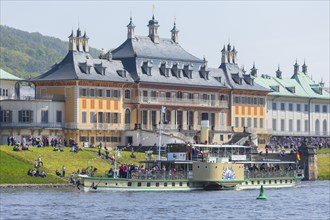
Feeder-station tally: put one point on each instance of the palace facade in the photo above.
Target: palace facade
(147, 86)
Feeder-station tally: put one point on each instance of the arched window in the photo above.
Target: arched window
(317, 126)
(325, 125)
(127, 116)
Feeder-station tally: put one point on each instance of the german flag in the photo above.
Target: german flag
(298, 155)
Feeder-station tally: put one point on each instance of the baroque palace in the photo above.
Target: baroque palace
(151, 84)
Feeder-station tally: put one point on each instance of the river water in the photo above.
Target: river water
(309, 200)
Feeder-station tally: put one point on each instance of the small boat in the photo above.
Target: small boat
(179, 167)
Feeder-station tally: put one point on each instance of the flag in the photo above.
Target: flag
(298, 155)
(163, 109)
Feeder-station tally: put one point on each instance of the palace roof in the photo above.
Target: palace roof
(300, 85)
(7, 76)
(79, 65)
(166, 62)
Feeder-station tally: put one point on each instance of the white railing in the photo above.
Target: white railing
(181, 101)
(96, 126)
(31, 125)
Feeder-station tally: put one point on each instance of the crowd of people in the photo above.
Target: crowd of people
(277, 143)
(36, 171)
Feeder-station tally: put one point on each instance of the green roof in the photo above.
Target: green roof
(7, 76)
(300, 85)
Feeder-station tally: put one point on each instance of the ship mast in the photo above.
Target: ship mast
(160, 130)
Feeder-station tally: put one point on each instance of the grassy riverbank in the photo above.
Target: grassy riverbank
(323, 164)
(15, 165)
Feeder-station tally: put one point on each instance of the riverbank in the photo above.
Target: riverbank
(14, 165)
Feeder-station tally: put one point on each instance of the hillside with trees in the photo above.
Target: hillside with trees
(27, 54)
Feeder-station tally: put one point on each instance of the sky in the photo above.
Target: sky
(267, 33)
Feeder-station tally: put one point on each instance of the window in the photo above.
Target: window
(324, 109)
(108, 93)
(249, 122)
(6, 116)
(100, 92)
(306, 125)
(249, 100)
(261, 101)
(83, 117)
(290, 107)
(274, 106)
(306, 108)
(153, 94)
(255, 122)
(282, 125)
(298, 108)
(44, 116)
(243, 100)
(25, 116)
(290, 125)
(116, 93)
(282, 106)
(317, 108)
(115, 118)
(261, 123)
(58, 116)
(255, 101)
(107, 117)
(221, 137)
(236, 122)
(92, 117)
(100, 117)
(237, 99)
(298, 125)
(274, 121)
(84, 92)
(127, 116)
(243, 122)
(91, 92)
(127, 94)
(204, 97)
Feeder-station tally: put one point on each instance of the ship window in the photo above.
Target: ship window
(258, 182)
(106, 183)
(173, 184)
(129, 184)
(275, 181)
(252, 182)
(198, 167)
(116, 184)
(180, 184)
(165, 184)
(157, 184)
(188, 184)
(270, 182)
(216, 167)
(205, 167)
(290, 181)
(286, 181)
(246, 183)
(139, 184)
(148, 184)
(264, 181)
(280, 181)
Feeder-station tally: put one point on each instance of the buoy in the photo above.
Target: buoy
(262, 195)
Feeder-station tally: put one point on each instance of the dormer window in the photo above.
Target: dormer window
(218, 78)
(84, 67)
(291, 89)
(237, 79)
(275, 88)
(164, 70)
(204, 73)
(187, 72)
(248, 79)
(146, 68)
(176, 71)
(99, 69)
(122, 73)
